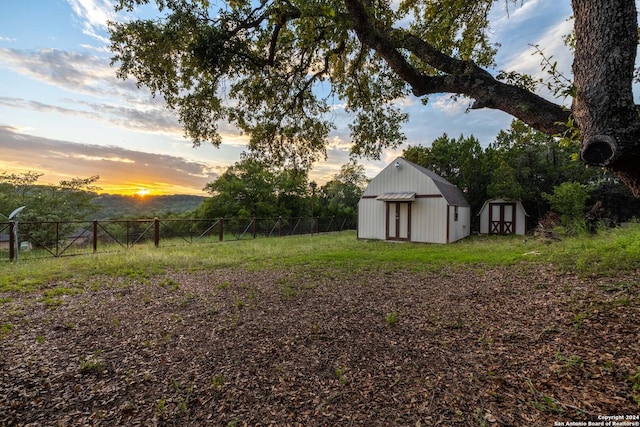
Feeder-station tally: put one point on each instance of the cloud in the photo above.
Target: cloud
(80, 73)
(120, 103)
(146, 119)
(41, 107)
(550, 48)
(96, 94)
(117, 167)
(93, 15)
(451, 105)
(536, 22)
(94, 158)
(551, 43)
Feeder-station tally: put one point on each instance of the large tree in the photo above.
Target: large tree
(273, 67)
(340, 195)
(254, 188)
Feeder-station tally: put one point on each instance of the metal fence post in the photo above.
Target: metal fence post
(12, 240)
(156, 232)
(125, 233)
(95, 236)
(57, 238)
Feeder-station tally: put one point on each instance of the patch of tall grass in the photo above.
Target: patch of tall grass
(604, 253)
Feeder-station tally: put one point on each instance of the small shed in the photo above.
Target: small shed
(501, 216)
(81, 237)
(407, 202)
(4, 241)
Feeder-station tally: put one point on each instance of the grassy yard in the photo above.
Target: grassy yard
(602, 254)
(325, 330)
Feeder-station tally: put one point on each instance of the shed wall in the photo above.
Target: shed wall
(484, 219)
(429, 219)
(462, 227)
(371, 219)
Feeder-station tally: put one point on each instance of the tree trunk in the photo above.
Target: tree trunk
(604, 110)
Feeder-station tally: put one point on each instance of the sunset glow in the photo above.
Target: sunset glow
(82, 121)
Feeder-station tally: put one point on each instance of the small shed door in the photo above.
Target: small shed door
(398, 221)
(502, 218)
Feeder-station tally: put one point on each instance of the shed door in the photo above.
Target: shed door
(502, 218)
(398, 221)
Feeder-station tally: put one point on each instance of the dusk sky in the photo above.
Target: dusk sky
(64, 113)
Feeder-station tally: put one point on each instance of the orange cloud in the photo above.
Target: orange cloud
(121, 171)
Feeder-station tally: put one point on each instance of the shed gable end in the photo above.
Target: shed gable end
(408, 202)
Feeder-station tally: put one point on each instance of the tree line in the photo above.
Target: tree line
(249, 188)
(254, 187)
(527, 165)
(520, 164)
(69, 200)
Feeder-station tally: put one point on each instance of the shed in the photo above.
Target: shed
(407, 202)
(502, 216)
(80, 237)
(4, 241)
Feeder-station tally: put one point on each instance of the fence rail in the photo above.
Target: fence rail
(31, 239)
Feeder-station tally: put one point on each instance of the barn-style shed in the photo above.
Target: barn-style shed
(407, 202)
(501, 216)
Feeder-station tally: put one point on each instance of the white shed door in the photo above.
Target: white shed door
(398, 221)
(502, 218)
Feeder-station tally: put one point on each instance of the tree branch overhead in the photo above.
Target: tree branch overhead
(371, 55)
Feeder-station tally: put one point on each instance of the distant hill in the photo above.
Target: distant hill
(113, 206)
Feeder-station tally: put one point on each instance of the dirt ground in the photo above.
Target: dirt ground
(517, 346)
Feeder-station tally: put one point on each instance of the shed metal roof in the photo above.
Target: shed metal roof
(405, 196)
(452, 194)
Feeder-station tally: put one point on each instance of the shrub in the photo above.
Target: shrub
(569, 200)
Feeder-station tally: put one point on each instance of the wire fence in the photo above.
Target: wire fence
(30, 239)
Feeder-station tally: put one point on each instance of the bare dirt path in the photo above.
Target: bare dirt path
(511, 346)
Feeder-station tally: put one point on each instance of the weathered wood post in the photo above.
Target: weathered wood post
(254, 227)
(221, 230)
